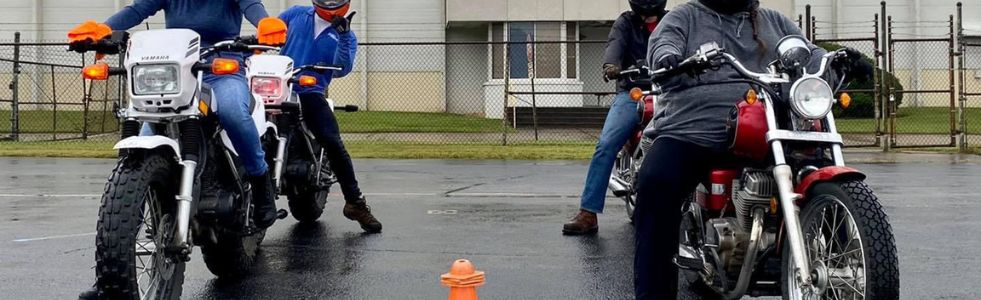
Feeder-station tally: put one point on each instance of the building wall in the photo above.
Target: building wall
(466, 69)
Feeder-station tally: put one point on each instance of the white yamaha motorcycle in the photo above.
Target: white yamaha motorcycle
(180, 188)
(301, 170)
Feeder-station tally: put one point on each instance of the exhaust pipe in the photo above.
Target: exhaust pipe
(619, 187)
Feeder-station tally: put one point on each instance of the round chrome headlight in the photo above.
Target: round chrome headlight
(812, 98)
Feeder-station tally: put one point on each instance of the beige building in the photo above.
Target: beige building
(468, 77)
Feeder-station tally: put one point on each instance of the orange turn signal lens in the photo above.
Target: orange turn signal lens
(224, 66)
(636, 94)
(99, 71)
(307, 80)
(845, 100)
(752, 97)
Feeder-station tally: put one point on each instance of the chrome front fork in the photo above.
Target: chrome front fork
(279, 161)
(788, 198)
(184, 199)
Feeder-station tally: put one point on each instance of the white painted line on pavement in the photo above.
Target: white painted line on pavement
(52, 237)
(49, 195)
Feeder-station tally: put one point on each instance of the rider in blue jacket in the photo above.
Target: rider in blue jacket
(321, 34)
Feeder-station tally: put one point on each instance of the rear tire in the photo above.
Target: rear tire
(234, 255)
(139, 195)
(874, 265)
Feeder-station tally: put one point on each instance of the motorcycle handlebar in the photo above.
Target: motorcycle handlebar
(114, 44)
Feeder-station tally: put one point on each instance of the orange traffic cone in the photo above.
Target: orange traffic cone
(463, 280)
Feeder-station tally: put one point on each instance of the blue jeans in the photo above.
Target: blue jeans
(620, 124)
(233, 95)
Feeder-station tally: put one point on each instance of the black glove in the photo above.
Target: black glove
(854, 66)
(669, 62)
(341, 24)
(611, 72)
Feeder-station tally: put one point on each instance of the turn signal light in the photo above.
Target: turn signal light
(752, 97)
(99, 71)
(307, 80)
(636, 94)
(203, 108)
(845, 100)
(224, 66)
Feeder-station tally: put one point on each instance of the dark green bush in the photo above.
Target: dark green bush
(863, 104)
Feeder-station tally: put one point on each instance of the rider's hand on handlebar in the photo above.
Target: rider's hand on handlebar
(854, 65)
(271, 31)
(86, 34)
(610, 72)
(669, 62)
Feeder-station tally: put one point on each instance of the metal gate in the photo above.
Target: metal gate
(922, 103)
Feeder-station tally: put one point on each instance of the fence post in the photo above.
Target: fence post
(15, 89)
(963, 80)
(953, 87)
(507, 94)
(87, 91)
(878, 82)
(890, 93)
(809, 24)
(534, 102)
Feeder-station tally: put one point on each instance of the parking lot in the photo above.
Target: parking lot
(503, 215)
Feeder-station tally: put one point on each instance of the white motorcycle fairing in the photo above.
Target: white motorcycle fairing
(149, 142)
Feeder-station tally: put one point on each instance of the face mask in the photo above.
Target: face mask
(729, 6)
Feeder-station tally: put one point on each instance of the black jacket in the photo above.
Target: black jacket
(627, 43)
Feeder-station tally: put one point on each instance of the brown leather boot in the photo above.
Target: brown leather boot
(582, 223)
(361, 212)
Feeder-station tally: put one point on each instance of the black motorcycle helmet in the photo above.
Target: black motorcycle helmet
(648, 8)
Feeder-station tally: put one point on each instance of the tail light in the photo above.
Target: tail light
(267, 87)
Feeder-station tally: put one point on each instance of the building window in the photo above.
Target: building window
(548, 58)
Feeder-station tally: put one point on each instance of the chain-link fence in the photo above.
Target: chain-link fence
(536, 82)
(45, 98)
(861, 123)
(923, 107)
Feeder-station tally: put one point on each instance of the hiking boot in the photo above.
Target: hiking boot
(264, 199)
(361, 212)
(582, 223)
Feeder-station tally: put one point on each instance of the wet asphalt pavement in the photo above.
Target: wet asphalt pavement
(505, 216)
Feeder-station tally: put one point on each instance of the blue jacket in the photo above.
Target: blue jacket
(214, 20)
(329, 48)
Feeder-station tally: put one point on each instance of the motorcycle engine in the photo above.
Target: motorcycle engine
(756, 188)
(730, 239)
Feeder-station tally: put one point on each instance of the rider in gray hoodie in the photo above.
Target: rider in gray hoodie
(690, 125)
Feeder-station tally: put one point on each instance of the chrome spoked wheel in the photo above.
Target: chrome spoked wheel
(153, 267)
(836, 252)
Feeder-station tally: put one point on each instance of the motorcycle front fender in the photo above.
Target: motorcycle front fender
(149, 143)
(826, 174)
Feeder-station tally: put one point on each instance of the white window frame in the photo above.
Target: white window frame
(564, 48)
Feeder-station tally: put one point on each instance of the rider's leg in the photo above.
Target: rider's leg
(620, 123)
(321, 121)
(233, 97)
(669, 174)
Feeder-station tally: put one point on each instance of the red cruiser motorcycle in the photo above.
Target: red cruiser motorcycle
(792, 220)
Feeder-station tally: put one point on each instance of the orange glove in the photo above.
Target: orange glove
(271, 31)
(90, 30)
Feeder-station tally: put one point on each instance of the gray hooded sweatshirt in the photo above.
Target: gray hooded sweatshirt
(696, 109)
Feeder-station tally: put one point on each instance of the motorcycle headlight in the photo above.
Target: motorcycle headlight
(156, 80)
(269, 87)
(811, 98)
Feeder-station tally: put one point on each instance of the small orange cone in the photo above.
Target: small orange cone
(463, 280)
